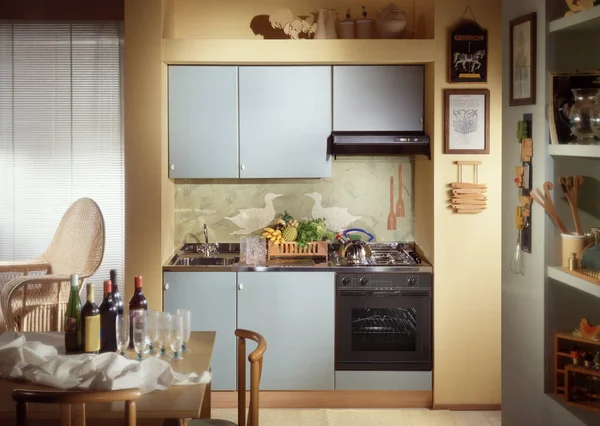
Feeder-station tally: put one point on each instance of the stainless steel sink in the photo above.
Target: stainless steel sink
(183, 260)
(222, 248)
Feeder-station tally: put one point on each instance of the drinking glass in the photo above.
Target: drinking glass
(122, 331)
(140, 335)
(164, 330)
(176, 336)
(152, 330)
(186, 316)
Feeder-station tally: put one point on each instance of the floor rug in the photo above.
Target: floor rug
(356, 417)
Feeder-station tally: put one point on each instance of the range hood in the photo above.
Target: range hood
(402, 143)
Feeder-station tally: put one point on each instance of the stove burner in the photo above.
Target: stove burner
(382, 254)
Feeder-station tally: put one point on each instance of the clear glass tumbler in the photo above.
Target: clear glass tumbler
(186, 316)
(122, 332)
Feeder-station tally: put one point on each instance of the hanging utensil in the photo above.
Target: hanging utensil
(400, 202)
(570, 186)
(391, 225)
(548, 205)
(516, 264)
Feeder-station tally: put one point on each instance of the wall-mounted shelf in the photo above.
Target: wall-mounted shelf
(557, 273)
(208, 51)
(586, 21)
(585, 151)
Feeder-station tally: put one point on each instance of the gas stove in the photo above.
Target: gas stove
(382, 254)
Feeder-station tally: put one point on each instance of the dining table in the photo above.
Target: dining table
(169, 407)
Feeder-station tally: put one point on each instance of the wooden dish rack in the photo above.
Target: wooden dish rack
(569, 378)
(314, 249)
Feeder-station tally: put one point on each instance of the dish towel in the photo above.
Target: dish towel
(41, 364)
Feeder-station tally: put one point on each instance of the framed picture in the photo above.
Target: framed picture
(467, 53)
(466, 121)
(522, 60)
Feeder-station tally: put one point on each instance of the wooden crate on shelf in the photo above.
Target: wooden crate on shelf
(316, 249)
(582, 387)
(564, 344)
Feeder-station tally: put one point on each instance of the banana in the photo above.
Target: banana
(269, 230)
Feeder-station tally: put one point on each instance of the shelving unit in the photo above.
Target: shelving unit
(206, 51)
(557, 273)
(583, 151)
(586, 21)
(563, 345)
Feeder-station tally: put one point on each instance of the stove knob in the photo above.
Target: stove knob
(345, 281)
(412, 281)
(364, 281)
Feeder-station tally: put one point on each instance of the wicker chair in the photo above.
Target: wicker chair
(34, 293)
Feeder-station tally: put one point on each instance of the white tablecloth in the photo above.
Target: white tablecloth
(41, 364)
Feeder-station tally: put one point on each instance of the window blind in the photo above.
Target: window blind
(60, 134)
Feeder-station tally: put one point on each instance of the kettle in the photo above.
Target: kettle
(354, 251)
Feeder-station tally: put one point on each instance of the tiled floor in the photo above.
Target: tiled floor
(478, 418)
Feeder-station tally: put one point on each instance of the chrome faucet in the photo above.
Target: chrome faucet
(205, 234)
(206, 246)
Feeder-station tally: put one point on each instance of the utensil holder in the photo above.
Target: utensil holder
(571, 244)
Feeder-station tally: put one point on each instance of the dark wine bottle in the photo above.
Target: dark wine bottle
(73, 318)
(137, 305)
(90, 323)
(117, 300)
(108, 319)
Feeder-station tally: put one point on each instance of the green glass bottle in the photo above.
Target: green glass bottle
(590, 259)
(73, 318)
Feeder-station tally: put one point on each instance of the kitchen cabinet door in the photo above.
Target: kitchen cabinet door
(285, 120)
(211, 298)
(378, 98)
(294, 311)
(203, 121)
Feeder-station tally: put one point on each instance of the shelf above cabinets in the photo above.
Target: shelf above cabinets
(206, 51)
(557, 273)
(584, 151)
(586, 21)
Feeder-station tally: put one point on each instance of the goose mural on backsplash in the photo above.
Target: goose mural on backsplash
(337, 218)
(251, 220)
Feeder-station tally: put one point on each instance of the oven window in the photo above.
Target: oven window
(384, 329)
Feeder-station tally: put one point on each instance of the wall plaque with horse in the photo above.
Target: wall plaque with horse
(468, 53)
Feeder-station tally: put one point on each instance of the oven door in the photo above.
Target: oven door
(383, 330)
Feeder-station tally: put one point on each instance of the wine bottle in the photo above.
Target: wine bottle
(117, 300)
(73, 318)
(90, 323)
(108, 318)
(137, 304)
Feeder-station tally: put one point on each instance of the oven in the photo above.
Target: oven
(383, 321)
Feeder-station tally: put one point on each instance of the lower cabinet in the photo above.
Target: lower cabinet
(294, 311)
(211, 297)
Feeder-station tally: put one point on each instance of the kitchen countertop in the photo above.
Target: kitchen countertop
(423, 268)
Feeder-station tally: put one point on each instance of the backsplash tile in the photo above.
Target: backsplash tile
(358, 196)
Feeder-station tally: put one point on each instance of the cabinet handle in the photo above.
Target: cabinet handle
(243, 167)
(172, 166)
(166, 286)
(240, 286)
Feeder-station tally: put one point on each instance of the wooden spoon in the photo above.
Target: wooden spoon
(391, 225)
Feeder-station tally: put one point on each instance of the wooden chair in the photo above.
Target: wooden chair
(66, 398)
(34, 293)
(256, 362)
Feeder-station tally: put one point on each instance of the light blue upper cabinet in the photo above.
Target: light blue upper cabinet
(285, 120)
(294, 311)
(378, 98)
(203, 122)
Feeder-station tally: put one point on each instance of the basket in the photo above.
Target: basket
(313, 249)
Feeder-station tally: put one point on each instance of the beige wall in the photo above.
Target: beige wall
(466, 248)
(148, 192)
